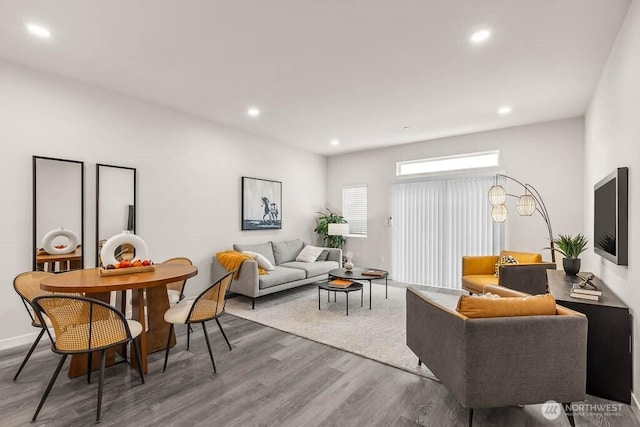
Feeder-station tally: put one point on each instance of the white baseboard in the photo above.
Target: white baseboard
(20, 340)
(635, 407)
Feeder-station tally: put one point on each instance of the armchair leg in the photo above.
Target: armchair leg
(51, 382)
(470, 417)
(223, 334)
(253, 303)
(569, 412)
(26, 358)
(419, 362)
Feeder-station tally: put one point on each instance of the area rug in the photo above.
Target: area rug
(378, 334)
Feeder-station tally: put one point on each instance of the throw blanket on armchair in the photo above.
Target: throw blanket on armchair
(232, 260)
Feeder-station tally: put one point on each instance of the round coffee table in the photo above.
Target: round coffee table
(355, 286)
(357, 274)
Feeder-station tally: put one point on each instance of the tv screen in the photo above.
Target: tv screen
(610, 217)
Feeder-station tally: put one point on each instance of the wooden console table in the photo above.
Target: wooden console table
(609, 358)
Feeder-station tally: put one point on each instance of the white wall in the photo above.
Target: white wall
(548, 156)
(189, 173)
(613, 140)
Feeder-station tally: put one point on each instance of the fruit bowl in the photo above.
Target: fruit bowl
(127, 267)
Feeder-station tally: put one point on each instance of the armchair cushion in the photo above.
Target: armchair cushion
(476, 283)
(523, 257)
(479, 307)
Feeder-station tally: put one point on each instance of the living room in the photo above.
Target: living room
(59, 101)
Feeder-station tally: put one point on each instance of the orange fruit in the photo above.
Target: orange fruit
(137, 263)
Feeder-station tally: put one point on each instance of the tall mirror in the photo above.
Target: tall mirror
(115, 206)
(58, 214)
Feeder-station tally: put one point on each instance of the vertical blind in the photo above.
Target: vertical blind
(436, 223)
(354, 209)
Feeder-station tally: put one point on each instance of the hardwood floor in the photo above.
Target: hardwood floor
(271, 378)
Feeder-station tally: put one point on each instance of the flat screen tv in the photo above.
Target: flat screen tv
(610, 219)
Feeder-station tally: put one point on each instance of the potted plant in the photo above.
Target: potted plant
(322, 229)
(570, 247)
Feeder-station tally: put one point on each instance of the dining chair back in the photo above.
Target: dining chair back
(27, 285)
(175, 290)
(84, 325)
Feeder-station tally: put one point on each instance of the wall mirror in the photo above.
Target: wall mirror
(115, 207)
(58, 214)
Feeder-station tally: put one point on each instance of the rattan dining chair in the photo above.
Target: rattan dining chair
(27, 285)
(84, 325)
(175, 290)
(207, 306)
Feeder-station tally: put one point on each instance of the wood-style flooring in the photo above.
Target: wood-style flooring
(271, 378)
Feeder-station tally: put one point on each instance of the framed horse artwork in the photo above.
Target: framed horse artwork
(261, 204)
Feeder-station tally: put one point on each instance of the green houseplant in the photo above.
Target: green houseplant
(322, 229)
(570, 247)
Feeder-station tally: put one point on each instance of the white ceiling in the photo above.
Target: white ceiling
(355, 70)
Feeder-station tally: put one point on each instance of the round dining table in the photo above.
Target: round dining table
(152, 283)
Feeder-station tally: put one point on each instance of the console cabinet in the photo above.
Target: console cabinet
(609, 358)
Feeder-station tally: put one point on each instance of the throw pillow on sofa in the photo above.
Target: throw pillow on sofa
(309, 254)
(262, 260)
(264, 249)
(536, 305)
(504, 260)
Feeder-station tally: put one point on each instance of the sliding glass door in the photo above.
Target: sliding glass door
(436, 223)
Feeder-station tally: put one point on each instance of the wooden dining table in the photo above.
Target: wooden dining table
(154, 329)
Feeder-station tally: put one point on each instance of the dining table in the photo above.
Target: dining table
(149, 301)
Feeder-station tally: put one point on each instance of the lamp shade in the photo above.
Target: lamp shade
(499, 213)
(497, 195)
(526, 205)
(338, 229)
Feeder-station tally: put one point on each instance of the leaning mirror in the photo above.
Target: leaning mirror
(58, 214)
(115, 207)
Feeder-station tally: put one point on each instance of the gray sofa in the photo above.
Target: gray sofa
(288, 273)
(499, 361)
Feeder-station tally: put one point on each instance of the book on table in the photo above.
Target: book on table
(340, 283)
(579, 290)
(375, 273)
(584, 296)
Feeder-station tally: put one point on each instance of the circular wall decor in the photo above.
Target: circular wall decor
(115, 243)
(50, 248)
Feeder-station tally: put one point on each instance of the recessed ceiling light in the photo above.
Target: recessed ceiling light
(480, 36)
(504, 110)
(253, 112)
(39, 31)
(335, 142)
(406, 127)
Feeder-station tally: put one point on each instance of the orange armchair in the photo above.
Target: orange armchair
(529, 275)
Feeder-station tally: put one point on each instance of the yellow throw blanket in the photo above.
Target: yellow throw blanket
(232, 260)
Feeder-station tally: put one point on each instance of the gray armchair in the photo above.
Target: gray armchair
(500, 361)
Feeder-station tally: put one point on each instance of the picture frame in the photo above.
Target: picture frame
(261, 204)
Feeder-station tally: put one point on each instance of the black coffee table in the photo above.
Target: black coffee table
(356, 274)
(355, 286)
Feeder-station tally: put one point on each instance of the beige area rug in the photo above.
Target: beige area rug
(378, 334)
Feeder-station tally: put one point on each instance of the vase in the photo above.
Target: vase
(348, 265)
(571, 266)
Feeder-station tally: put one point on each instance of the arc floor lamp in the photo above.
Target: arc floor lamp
(528, 204)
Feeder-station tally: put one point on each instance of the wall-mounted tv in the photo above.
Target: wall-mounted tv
(610, 219)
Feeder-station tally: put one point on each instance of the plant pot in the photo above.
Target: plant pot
(571, 266)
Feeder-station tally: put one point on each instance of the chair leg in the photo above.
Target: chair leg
(206, 336)
(89, 366)
(253, 303)
(51, 382)
(470, 417)
(103, 360)
(136, 353)
(188, 336)
(569, 412)
(26, 358)
(419, 362)
(223, 334)
(166, 352)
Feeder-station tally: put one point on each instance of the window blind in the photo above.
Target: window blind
(354, 209)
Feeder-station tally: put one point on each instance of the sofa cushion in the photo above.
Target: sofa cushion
(476, 282)
(309, 254)
(262, 248)
(286, 251)
(312, 268)
(324, 255)
(279, 276)
(480, 307)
